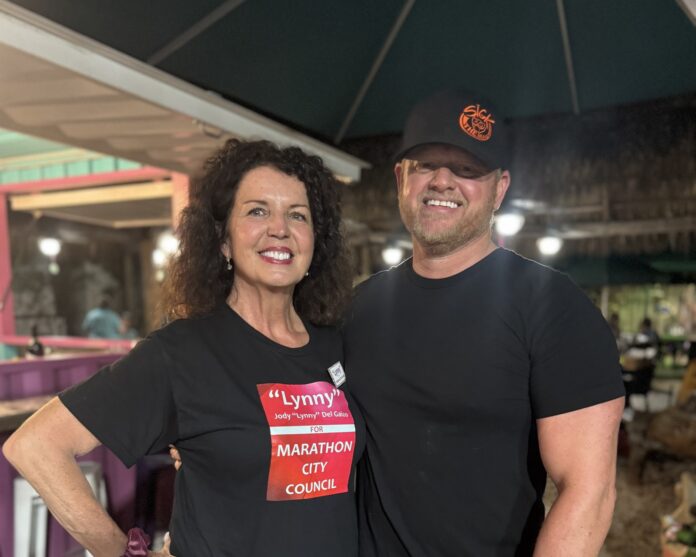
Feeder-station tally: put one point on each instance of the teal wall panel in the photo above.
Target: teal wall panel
(65, 170)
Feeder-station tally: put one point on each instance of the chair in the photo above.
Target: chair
(30, 521)
(639, 382)
(31, 514)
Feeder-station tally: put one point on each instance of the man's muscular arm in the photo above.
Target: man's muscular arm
(579, 452)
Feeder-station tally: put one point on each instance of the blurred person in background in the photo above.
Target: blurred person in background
(647, 337)
(102, 321)
(616, 331)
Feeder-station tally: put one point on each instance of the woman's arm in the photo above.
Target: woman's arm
(43, 450)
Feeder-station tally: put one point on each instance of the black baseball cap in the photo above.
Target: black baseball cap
(460, 118)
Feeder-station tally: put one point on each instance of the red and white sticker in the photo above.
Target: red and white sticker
(312, 440)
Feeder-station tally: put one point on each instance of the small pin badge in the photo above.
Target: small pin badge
(338, 376)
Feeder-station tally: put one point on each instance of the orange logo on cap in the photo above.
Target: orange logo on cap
(477, 122)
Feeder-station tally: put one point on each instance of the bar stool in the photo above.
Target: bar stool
(31, 514)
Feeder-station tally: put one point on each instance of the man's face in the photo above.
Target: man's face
(446, 197)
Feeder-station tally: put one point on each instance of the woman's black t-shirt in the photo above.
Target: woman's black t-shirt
(269, 444)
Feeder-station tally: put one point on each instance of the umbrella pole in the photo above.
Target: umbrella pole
(568, 56)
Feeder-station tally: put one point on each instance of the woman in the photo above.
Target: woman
(246, 381)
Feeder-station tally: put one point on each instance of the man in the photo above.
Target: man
(647, 336)
(478, 371)
(102, 321)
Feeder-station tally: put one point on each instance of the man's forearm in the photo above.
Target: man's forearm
(577, 523)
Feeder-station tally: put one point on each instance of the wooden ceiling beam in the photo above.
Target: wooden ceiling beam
(92, 196)
(142, 223)
(112, 224)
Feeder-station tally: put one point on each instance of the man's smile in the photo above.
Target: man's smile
(444, 203)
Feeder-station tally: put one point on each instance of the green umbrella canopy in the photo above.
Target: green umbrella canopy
(683, 266)
(593, 272)
(349, 68)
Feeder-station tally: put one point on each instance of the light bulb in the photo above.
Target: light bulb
(392, 255)
(549, 245)
(50, 247)
(509, 224)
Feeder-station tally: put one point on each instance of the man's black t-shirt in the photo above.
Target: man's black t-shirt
(269, 444)
(451, 375)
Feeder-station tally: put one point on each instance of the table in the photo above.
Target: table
(14, 412)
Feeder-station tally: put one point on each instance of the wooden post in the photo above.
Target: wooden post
(180, 196)
(365, 260)
(604, 301)
(150, 285)
(7, 321)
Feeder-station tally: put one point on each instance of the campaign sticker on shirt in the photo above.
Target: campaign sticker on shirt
(338, 376)
(312, 440)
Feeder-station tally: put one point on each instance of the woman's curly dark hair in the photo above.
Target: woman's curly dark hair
(198, 278)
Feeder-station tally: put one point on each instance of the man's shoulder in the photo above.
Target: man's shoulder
(93, 313)
(375, 284)
(370, 298)
(521, 270)
(519, 263)
(325, 335)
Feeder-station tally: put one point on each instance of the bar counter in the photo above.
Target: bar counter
(14, 412)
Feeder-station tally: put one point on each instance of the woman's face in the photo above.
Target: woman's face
(270, 236)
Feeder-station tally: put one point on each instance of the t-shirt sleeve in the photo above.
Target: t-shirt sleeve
(128, 405)
(574, 360)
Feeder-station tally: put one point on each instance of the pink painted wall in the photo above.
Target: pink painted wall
(7, 324)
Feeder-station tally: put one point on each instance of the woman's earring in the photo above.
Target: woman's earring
(229, 263)
(306, 274)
